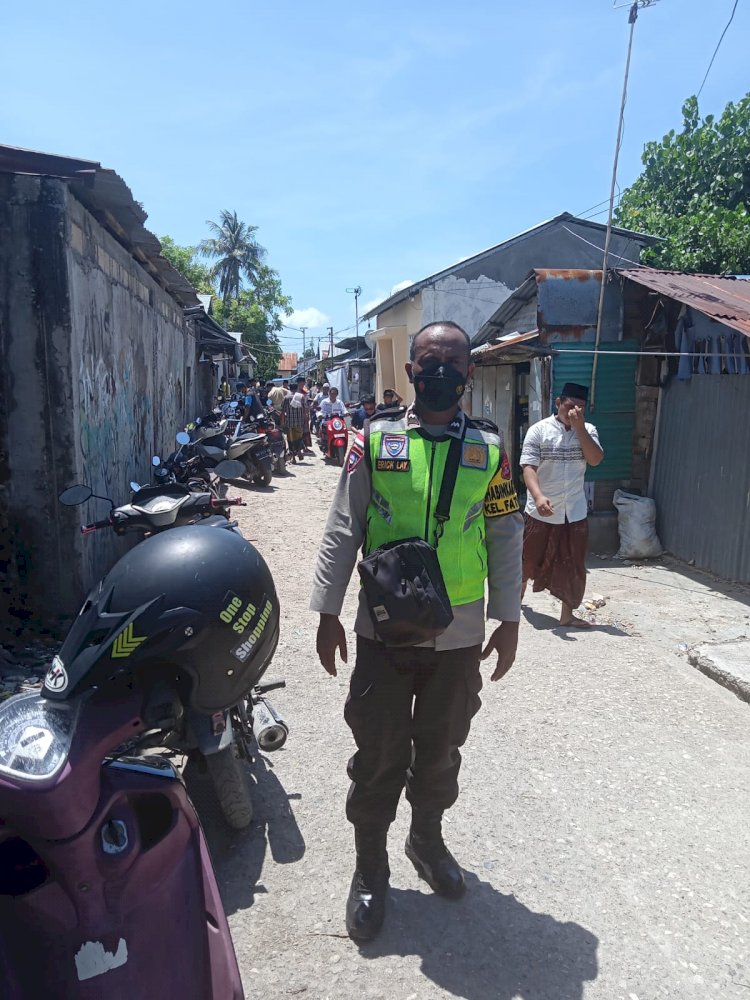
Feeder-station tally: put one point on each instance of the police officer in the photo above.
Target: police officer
(410, 708)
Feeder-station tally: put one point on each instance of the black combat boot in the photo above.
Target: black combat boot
(365, 907)
(426, 850)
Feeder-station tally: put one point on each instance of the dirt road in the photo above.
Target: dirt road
(602, 819)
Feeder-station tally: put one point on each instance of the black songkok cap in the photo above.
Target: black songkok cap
(574, 391)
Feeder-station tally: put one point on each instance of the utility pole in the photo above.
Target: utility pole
(632, 18)
(356, 292)
(303, 331)
(330, 336)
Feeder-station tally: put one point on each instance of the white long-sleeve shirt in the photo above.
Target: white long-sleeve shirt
(329, 409)
(556, 453)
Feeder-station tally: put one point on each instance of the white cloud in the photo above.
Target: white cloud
(311, 318)
(367, 306)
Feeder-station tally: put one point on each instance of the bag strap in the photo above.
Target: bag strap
(448, 484)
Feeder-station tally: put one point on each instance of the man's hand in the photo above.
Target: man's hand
(504, 642)
(575, 416)
(544, 506)
(331, 636)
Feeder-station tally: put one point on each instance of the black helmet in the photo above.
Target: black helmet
(195, 603)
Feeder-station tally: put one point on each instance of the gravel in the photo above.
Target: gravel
(602, 819)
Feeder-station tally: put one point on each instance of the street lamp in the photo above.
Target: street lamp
(356, 292)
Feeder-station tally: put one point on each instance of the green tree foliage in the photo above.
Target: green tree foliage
(184, 260)
(695, 193)
(236, 252)
(258, 314)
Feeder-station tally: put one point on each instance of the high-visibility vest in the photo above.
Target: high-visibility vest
(407, 470)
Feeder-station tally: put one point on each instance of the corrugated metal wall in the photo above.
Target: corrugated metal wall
(492, 399)
(615, 400)
(702, 473)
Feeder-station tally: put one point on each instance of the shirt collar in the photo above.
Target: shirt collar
(560, 424)
(455, 427)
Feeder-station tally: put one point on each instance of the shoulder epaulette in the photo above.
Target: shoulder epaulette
(482, 425)
(396, 413)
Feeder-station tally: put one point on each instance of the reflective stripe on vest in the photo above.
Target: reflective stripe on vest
(407, 470)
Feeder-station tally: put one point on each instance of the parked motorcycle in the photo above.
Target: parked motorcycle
(275, 438)
(212, 443)
(220, 740)
(106, 884)
(334, 438)
(186, 467)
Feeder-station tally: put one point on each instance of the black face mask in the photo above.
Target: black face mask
(439, 387)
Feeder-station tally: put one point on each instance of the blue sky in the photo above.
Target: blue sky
(371, 143)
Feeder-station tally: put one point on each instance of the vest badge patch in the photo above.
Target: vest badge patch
(475, 455)
(392, 464)
(394, 446)
(356, 454)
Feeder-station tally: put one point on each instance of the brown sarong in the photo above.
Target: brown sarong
(554, 557)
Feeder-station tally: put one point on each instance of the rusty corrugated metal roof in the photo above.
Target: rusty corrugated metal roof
(508, 349)
(724, 298)
(288, 361)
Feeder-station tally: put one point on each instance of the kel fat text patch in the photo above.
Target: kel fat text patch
(501, 498)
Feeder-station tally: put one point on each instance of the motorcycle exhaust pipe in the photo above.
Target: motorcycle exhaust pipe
(269, 728)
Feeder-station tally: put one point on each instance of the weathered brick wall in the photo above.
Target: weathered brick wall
(99, 371)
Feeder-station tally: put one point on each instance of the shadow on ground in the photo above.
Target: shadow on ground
(658, 572)
(238, 856)
(547, 622)
(251, 488)
(488, 945)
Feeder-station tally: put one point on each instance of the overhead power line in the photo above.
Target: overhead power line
(718, 44)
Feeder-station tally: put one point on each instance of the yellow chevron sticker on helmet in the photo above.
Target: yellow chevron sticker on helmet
(126, 643)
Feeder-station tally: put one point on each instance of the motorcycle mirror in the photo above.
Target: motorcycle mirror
(229, 469)
(75, 495)
(183, 438)
(135, 487)
(156, 461)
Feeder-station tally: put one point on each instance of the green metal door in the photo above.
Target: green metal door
(614, 417)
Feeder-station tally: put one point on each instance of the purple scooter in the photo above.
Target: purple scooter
(106, 885)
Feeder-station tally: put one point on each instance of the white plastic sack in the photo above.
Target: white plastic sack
(636, 522)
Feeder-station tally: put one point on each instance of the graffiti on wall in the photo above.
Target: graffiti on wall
(131, 366)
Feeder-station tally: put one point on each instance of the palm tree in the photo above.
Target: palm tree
(239, 254)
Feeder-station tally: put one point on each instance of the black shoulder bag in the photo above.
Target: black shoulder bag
(403, 583)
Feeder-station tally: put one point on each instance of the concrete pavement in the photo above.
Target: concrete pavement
(603, 816)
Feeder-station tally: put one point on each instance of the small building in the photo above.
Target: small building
(696, 332)
(355, 357)
(288, 365)
(470, 291)
(668, 395)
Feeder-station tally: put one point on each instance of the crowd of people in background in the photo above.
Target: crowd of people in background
(301, 407)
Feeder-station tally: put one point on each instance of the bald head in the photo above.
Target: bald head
(446, 335)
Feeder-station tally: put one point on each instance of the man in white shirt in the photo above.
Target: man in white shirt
(554, 457)
(332, 407)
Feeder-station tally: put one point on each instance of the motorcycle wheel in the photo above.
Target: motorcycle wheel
(226, 774)
(339, 453)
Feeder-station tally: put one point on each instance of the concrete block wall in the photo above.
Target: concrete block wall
(99, 372)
